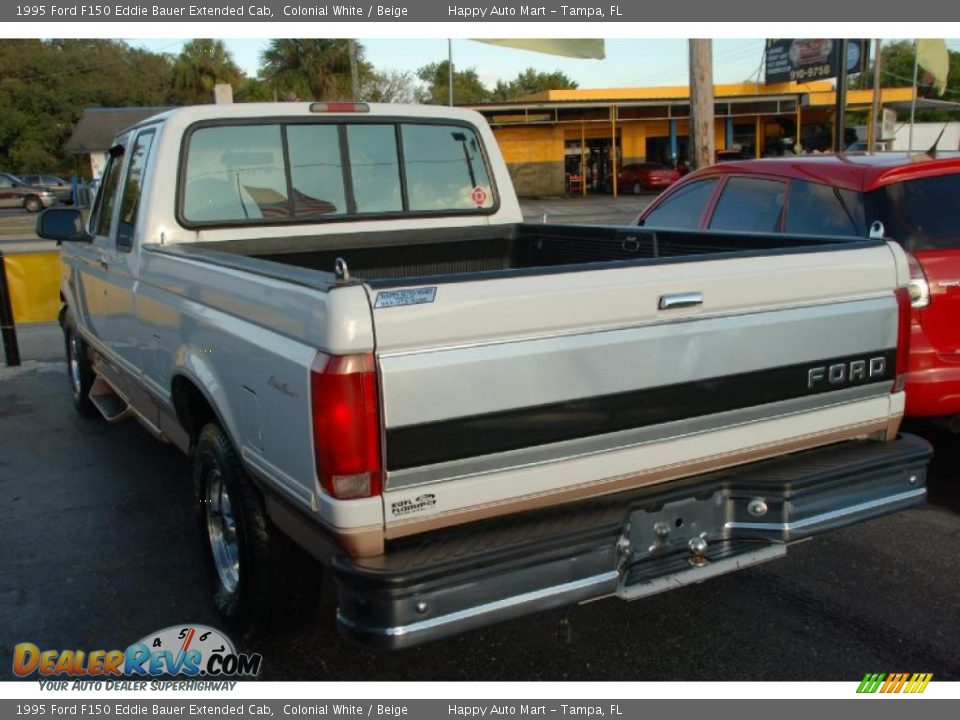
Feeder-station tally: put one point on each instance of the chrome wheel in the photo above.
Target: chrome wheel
(222, 532)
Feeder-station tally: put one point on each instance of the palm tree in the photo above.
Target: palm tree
(202, 64)
(311, 69)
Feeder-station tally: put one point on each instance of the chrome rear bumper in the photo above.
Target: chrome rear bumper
(631, 544)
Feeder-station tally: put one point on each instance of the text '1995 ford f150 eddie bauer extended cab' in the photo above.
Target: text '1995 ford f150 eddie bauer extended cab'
(337, 310)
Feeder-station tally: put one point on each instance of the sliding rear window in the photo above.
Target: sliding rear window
(278, 172)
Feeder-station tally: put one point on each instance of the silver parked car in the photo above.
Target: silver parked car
(63, 189)
(14, 192)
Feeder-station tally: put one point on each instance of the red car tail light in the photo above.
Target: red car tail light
(904, 302)
(918, 286)
(346, 425)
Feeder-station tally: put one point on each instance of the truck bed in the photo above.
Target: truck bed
(393, 257)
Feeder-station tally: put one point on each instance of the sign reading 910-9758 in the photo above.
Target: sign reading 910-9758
(811, 59)
(184, 650)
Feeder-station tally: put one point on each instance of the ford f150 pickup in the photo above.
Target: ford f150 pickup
(338, 312)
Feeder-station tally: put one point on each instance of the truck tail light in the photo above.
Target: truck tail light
(346, 425)
(918, 286)
(904, 303)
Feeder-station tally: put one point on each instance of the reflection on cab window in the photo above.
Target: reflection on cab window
(235, 173)
(445, 168)
(374, 168)
(311, 171)
(316, 170)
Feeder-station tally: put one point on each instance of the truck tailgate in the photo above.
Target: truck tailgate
(517, 391)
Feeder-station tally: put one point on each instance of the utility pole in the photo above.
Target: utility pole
(450, 72)
(839, 126)
(354, 72)
(701, 102)
(913, 96)
(875, 105)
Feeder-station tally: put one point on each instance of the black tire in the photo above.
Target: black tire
(32, 204)
(80, 373)
(637, 188)
(276, 582)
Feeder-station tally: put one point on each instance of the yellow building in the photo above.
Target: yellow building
(561, 141)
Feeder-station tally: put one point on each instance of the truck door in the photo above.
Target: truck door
(96, 311)
(121, 254)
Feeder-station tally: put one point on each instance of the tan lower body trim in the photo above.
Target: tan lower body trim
(641, 479)
(893, 426)
(364, 542)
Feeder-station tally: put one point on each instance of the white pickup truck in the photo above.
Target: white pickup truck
(338, 312)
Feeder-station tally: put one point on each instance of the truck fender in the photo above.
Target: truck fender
(194, 368)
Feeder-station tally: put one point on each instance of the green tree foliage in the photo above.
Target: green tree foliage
(467, 88)
(531, 81)
(390, 86)
(200, 65)
(896, 70)
(312, 69)
(253, 90)
(45, 86)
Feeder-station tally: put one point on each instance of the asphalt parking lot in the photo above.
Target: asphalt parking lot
(100, 548)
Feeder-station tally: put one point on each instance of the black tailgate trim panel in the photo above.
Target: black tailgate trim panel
(472, 436)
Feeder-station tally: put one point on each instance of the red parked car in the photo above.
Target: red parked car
(916, 198)
(637, 177)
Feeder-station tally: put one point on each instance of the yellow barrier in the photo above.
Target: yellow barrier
(33, 280)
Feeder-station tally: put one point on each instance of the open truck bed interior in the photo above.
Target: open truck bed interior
(393, 258)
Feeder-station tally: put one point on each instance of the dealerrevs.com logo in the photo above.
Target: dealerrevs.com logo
(191, 651)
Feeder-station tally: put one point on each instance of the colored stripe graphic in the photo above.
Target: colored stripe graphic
(871, 682)
(894, 683)
(919, 682)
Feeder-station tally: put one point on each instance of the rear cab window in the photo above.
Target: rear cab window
(282, 171)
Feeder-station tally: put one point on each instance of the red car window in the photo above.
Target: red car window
(815, 209)
(749, 205)
(684, 208)
(920, 214)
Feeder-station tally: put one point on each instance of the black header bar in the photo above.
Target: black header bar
(448, 11)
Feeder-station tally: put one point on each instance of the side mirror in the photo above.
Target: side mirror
(62, 225)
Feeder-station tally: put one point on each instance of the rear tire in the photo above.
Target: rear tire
(259, 577)
(637, 188)
(79, 369)
(32, 204)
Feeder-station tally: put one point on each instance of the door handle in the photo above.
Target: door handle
(681, 300)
